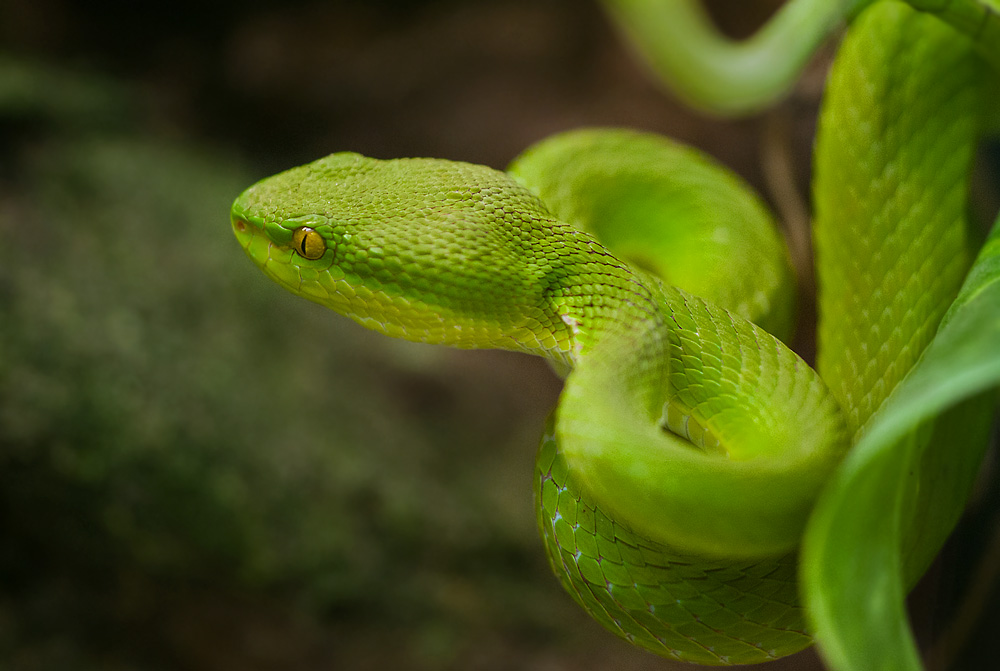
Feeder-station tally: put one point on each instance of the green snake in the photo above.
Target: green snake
(677, 473)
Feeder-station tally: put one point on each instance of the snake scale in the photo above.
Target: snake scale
(678, 471)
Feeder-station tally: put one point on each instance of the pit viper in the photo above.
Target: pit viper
(676, 475)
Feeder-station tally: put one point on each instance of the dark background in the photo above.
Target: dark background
(198, 471)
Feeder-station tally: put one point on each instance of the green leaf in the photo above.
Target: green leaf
(928, 437)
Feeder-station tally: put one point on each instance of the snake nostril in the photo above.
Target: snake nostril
(240, 225)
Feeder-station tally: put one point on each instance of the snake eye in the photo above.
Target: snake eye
(308, 243)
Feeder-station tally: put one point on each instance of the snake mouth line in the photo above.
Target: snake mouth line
(245, 233)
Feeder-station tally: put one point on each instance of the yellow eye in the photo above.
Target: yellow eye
(308, 243)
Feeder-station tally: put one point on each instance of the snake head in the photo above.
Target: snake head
(424, 249)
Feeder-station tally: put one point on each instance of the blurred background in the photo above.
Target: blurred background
(199, 471)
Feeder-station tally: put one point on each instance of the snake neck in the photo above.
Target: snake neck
(591, 295)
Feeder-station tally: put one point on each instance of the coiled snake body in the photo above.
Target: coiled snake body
(677, 473)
